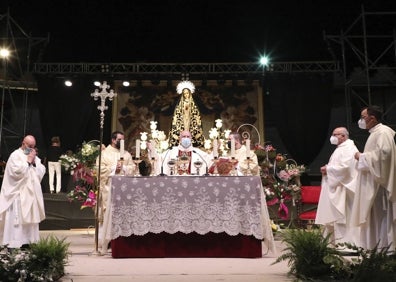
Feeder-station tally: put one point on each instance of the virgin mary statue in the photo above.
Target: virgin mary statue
(186, 116)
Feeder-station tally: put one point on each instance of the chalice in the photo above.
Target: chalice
(171, 164)
(137, 161)
(198, 164)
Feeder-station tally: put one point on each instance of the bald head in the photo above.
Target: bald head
(29, 141)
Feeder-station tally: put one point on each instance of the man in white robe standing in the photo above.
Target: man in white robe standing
(21, 197)
(110, 165)
(374, 209)
(338, 190)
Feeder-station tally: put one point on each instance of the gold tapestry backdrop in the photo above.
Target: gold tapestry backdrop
(136, 105)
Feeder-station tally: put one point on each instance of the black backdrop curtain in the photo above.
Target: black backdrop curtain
(301, 107)
(70, 112)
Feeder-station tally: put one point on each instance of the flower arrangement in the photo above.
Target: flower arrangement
(217, 139)
(280, 177)
(84, 174)
(68, 162)
(157, 138)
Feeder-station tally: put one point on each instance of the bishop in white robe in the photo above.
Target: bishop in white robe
(21, 197)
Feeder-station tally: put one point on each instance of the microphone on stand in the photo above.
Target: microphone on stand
(206, 164)
(162, 164)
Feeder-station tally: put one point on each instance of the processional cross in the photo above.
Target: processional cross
(103, 95)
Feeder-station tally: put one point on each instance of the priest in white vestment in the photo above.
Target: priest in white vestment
(185, 147)
(110, 165)
(21, 197)
(338, 190)
(374, 208)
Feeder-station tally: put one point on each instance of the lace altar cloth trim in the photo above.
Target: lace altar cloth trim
(188, 204)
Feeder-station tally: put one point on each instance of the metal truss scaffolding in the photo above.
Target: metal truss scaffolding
(169, 70)
(367, 52)
(15, 78)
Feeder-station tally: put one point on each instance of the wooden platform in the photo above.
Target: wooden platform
(61, 214)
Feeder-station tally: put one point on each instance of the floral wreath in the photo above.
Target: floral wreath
(185, 84)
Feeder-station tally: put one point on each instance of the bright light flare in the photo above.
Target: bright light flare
(4, 53)
(264, 60)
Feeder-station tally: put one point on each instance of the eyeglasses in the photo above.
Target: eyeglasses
(335, 134)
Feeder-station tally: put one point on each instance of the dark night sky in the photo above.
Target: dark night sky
(186, 31)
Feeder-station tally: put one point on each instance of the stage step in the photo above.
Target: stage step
(61, 214)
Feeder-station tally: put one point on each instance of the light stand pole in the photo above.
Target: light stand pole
(4, 53)
(103, 95)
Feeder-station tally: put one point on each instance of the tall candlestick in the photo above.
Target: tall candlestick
(137, 155)
(153, 147)
(215, 148)
(247, 148)
(232, 148)
(122, 150)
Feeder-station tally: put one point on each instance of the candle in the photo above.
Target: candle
(247, 148)
(232, 148)
(137, 155)
(122, 144)
(215, 149)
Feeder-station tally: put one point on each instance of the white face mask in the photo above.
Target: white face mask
(186, 142)
(333, 140)
(362, 123)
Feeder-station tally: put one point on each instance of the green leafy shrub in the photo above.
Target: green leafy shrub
(311, 256)
(378, 264)
(42, 261)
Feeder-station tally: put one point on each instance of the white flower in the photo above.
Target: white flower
(164, 145)
(143, 136)
(207, 144)
(161, 136)
(219, 123)
(153, 125)
(213, 133)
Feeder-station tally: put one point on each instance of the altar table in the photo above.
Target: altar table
(189, 216)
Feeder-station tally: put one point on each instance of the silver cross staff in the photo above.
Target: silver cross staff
(103, 96)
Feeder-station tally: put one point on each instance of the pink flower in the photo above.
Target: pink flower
(283, 211)
(90, 201)
(284, 175)
(272, 202)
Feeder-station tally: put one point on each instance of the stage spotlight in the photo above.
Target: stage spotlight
(125, 83)
(4, 53)
(264, 61)
(68, 83)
